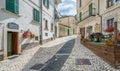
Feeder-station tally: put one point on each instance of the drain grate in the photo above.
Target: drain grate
(13, 57)
(83, 62)
(37, 66)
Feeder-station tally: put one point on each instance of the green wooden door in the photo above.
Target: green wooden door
(9, 44)
(90, 9)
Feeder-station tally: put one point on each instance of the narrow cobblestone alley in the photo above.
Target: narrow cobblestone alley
(81, 52)
(61, 57)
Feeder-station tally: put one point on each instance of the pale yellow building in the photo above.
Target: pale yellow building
(110, 11)
(66, 26)
(88, 16)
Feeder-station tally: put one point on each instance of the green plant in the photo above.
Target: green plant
(109, 42)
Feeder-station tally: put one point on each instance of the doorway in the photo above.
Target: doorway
(68, 32)
(12, 43)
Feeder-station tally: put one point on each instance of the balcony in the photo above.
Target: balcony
(88, 14)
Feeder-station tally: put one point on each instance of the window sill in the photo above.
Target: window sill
(6, 11)
(46, 29)
(36, 22)
(51, 31)
(46, 7)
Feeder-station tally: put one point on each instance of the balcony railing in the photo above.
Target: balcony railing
(88, 13)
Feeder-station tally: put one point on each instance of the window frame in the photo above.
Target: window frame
(36, 15)
(110, 22)
(12, 6)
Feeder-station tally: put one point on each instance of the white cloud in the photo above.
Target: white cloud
(67, 7)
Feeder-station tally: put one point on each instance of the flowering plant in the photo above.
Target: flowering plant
(25, 34)
(28, 34)
(109, 42)
(118, 36)
(32, 35)
(109, 29)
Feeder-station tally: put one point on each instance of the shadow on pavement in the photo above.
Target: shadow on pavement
(50, 62)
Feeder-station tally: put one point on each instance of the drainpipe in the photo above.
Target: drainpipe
(99, 15)
(41, 22)
(100, 22)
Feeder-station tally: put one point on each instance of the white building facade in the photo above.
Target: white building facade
(19, 25)
(47, 20)
(25, 23)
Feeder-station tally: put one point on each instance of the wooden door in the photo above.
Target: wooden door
(15, 43)
(9, 44)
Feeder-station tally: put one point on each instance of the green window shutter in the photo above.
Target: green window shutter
(12, 6)
(80, 16)
(90, 9)
(44, 2)
(47, 3)
(36, 15)
(16, 6)
(7, 4)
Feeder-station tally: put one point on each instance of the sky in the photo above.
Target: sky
(67, 7)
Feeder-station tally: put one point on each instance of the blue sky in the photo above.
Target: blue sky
(67, 7)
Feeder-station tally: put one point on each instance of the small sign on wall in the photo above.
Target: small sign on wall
(13, 25)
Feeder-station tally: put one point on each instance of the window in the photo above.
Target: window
(46, 34)
(46, 25)
(52, 27)
(110, 22)
(12, 6)
(36, 38)
(90, 9)
(80, 16)
(109, 3)
(46, 3)
(36, 16)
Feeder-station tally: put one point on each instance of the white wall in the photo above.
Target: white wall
(48, 14)
(24, 20)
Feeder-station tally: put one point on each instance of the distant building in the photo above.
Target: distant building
(66, 26)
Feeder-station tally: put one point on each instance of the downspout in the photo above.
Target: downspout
(100, 16)
(41, 22)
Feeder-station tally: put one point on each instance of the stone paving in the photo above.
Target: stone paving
(34, 55)
(45, 55)
(79, 51)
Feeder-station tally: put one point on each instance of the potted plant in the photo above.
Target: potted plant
(109, 29)
(32, 35)
(109, 42)
(25, 34)
(118, 38)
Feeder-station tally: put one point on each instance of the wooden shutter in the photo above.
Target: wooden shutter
(48, 3)
(16, 6)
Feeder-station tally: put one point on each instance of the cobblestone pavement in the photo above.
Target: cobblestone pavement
(81, 52)
(60, 57)
(30, 57)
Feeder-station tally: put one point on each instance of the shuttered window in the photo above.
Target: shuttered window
(80, 16)
(36, 16)
(46, 3)
(109, 3)
(12, 6)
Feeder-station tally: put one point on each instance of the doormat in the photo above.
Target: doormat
(83, 62)
(12, 57)
(37, 67)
